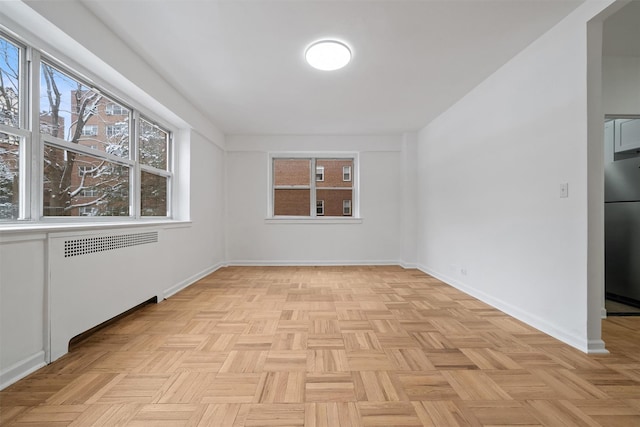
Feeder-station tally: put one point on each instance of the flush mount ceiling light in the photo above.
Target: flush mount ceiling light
(328, 55)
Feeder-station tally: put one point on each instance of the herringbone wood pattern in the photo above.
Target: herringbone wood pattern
(329, 346)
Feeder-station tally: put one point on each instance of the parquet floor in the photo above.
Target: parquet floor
(329, 346)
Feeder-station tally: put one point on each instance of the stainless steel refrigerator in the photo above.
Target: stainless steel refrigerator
(622, 210)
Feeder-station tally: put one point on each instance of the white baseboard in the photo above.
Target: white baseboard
(530, 319)
(307, 263)
(191, 280)
(21, 369)
(596, 347)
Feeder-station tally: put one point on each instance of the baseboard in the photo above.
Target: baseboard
(596, 347)
(530, 319)
(191, 280)
(19, 370)
(307, 263)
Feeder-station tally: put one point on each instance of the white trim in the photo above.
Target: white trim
(190, 281)
(21, 369)
(566, 336)
(309, 263)
(90, 225)
(305, 220)
(596, 347)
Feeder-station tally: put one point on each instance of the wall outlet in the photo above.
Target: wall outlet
(564, 190)
(463, 271)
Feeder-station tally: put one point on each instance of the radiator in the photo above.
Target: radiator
(95, 277)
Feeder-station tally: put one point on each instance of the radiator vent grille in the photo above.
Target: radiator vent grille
(91, 245)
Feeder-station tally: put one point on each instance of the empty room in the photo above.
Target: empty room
(319, 213)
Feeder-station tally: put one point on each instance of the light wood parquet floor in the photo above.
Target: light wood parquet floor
(329, 346)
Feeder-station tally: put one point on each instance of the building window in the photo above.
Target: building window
(90, 130)
(346, 173)
(346, 207)
(118, 129)
(112, 109)
(87, 211)
(82, 170)
(296, 192)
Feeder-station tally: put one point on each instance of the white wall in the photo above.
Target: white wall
(252, 240)
(491, 220)
(621, 85)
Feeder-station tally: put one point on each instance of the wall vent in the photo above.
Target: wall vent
(91, 245)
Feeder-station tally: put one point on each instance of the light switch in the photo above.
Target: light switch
(564, 190)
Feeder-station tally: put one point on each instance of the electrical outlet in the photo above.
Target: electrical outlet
(463, 271)
(564, 190)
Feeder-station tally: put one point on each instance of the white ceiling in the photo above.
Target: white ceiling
(241, 62)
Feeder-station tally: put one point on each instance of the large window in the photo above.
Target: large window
(296, 192)
(89, 153)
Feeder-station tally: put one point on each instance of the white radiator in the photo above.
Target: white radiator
(95, 277)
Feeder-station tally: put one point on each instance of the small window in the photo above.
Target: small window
(90, 130)
(87, 211)
(320, 207)
(319, 173)
(346, 173)
(112, 109)
(346, 207)
(89, 192)
(117, 129)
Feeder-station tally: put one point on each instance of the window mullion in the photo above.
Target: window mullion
(136, 173)
(312, 186)
(35, 144)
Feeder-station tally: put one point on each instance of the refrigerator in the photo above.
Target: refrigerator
(622, 210)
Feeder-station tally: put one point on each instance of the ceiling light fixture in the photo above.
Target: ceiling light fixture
(328, 55)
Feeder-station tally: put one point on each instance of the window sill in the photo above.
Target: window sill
(333, 220)
(53, 226)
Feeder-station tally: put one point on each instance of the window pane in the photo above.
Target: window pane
(334, 172)
(334, 200)
(292, 202)
(68, 174)
(153, 195)
(76, 113)
(291, 172)
(9, 163)
(153, 145)
(9, 83)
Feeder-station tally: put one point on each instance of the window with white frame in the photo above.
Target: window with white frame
(89, 130)
(297, 192)
(113, 109)
(346, 207)
(126, 171)
(346, 173)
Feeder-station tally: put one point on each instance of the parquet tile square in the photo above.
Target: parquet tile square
(388, 414)
(331, 414)
(427, 385)
(244, 361)
(329, 387)
(327, 361)
(284, 415)
(232, 388)
(329, 346)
